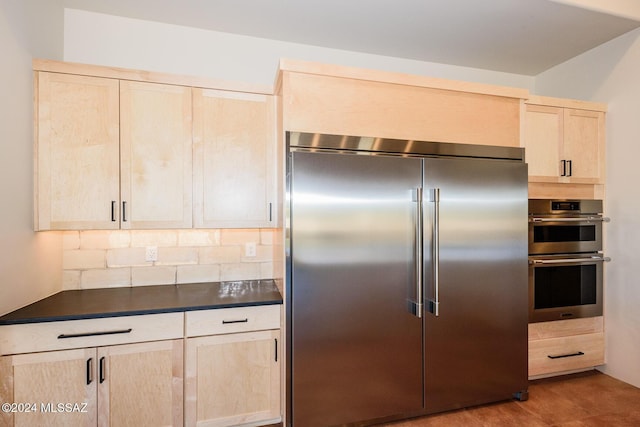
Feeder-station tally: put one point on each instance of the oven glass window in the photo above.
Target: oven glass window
(565, 286)
(564, 233)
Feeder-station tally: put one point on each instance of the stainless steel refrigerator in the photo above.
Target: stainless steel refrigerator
(406, 278)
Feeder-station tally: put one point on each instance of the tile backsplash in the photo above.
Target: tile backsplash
(100, 259)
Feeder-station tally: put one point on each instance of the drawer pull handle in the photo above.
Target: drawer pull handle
(566, 355)
(93, 334)
(226, 322)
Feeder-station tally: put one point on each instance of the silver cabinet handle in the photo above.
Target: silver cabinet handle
(416, 307)
(583, 219)
(434, 305)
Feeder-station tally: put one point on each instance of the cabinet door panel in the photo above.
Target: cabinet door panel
(77, 152)
(233, 159)
(156, 158)
(543, 133)
(232, 379)
(583, 136)
(141, 384)
(49, 379)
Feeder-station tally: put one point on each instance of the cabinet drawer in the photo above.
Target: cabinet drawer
(564, 328)
(46, 336)
(231, 320)
(579, 351)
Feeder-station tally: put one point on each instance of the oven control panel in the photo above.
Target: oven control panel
(564, 207)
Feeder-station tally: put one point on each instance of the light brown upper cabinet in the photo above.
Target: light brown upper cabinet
(352, 101)
(112, 154)
(564, 145)
(77, 152)
(234, 159)
(155, 155)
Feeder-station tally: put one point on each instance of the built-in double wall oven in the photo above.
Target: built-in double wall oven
(565, 259)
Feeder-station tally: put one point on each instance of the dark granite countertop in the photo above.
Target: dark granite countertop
(110, 302)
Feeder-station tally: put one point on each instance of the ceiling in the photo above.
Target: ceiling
(515, 36)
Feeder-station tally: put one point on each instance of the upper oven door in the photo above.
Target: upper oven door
(556, 235)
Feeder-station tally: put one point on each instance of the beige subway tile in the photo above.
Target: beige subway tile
(76, 259)
(240, 271)
(103, 239)
(267, 236)
(70, 240)
(279, 268)
(177, 256)
(266, 270)
(94, 239)
(220, 254)
(198, 273)
(156, 275)
(198, 237)
(154, 238)
(70, 280)
(119, 239)
(239, 236)
(126, 257)
(105, 278)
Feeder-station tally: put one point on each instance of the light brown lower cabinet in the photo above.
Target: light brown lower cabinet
(565, 346)
(122, 385)
(217, 367)
(232, 379)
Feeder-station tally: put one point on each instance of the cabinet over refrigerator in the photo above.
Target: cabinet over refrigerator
(406, 278)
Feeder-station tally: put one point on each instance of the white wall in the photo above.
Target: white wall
(611, 73)
(95, 38)
(30, 263)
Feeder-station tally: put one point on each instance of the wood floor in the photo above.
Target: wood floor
(589, 399)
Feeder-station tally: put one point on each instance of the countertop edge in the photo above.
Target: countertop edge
(105, 315)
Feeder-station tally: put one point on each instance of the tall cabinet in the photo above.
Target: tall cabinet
(564, 144)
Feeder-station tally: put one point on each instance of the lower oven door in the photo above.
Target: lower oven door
(565, 286)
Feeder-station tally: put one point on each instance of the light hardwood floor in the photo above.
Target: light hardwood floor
(589, 399)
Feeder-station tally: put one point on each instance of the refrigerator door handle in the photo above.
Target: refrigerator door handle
(416, 306)
(434, 304)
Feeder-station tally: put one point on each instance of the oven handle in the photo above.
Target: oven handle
(570, 260)
(583, 219)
